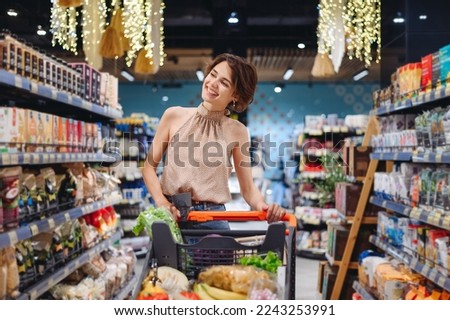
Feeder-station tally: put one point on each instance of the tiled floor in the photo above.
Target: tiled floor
(306, 279)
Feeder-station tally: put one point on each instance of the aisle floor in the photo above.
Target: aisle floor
(306, 279)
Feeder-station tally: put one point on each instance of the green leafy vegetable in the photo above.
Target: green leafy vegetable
(270, 262)
(147, 217)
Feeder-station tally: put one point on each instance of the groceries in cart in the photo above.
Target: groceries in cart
(218, 282)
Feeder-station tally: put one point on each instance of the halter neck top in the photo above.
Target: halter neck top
(198, 158)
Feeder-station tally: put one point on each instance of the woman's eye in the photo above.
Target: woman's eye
(224, 83)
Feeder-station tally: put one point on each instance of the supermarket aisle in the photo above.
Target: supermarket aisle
(306, 279)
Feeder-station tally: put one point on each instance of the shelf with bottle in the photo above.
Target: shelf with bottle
(28, 89)
(413, 262)
(435, 217)
(42, 286)
(12, 237)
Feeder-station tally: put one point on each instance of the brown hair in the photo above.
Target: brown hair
(243, 77)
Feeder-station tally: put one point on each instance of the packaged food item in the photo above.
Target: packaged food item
(9, 191)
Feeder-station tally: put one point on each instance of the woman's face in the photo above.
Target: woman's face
(218, 89)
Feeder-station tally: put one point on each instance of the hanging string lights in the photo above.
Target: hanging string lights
(362, 20)
(357, 22)
(140, 20)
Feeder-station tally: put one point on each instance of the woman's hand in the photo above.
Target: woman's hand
(274, 212)
(172, 209)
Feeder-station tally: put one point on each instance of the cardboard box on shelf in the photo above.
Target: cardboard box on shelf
(347, 197)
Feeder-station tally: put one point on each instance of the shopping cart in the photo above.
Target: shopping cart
(226, 247)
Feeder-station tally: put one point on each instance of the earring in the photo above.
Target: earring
(234, 104)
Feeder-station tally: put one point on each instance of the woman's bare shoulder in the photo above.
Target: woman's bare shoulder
(177, 112)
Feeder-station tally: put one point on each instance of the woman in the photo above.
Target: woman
(200, 142)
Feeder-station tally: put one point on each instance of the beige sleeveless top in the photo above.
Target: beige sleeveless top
(198, 158)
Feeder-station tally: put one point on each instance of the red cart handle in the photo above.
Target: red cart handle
(202, 216)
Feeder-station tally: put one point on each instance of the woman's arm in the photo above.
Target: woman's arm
(154, 156)
(242, 165)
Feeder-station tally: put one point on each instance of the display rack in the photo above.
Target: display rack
(12, 237)
(433, 217)
(42, 286)
(28, 89)
(36, 158)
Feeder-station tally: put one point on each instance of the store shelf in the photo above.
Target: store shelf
(433, 217)
(48, 282)
(393, 156)
(12, 237)
(10, 159)
(350, 219)
(334, 129)
(419, 100)
(362, 291)
(332, 262)
(127, 289)
(390, 205)
(432, 157)
(316, 254)
(430, 273)
(40, 91)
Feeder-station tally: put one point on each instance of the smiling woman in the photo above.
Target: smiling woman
(200, 142)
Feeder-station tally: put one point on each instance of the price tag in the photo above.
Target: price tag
(406, 211)
(441, 281)
(437, 218)
(439, 158)
(425, 270)
(437, 94)
(6, 159)
(34, 87)
(384, 204)
(413, 264)
(18, 81)
(415, 213)
(51, 224)
(69, 99)
(446, 222)
(26, 158)
(51, 283)
(54, 94)
(427, 97)
(14, 158)
(447, 91)
(344, 129)
(59, 157)
(433, 274)
(426, 157)
(12, 236)
(45, 156)
(34, 229)
(67, 216)
(34, 158)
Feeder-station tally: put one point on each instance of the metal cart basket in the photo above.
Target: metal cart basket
(225, 247)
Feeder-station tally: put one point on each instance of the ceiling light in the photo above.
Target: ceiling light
(360, 75)
(127, 75)
(12, 13)
(200, 74)
(423, 17)
(301, 45)
(288, 73)
(41, 31)
(399, 18)
(278, 88)
(233, 18)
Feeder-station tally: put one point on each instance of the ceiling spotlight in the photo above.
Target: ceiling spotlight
(12, 13)
(200, 74)
(233, 18)
(41, 31)
(301, 45)
(278, 88)
(423, 17)
(360, 75)
(127, 75)
(288, 73)
(399, 18)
